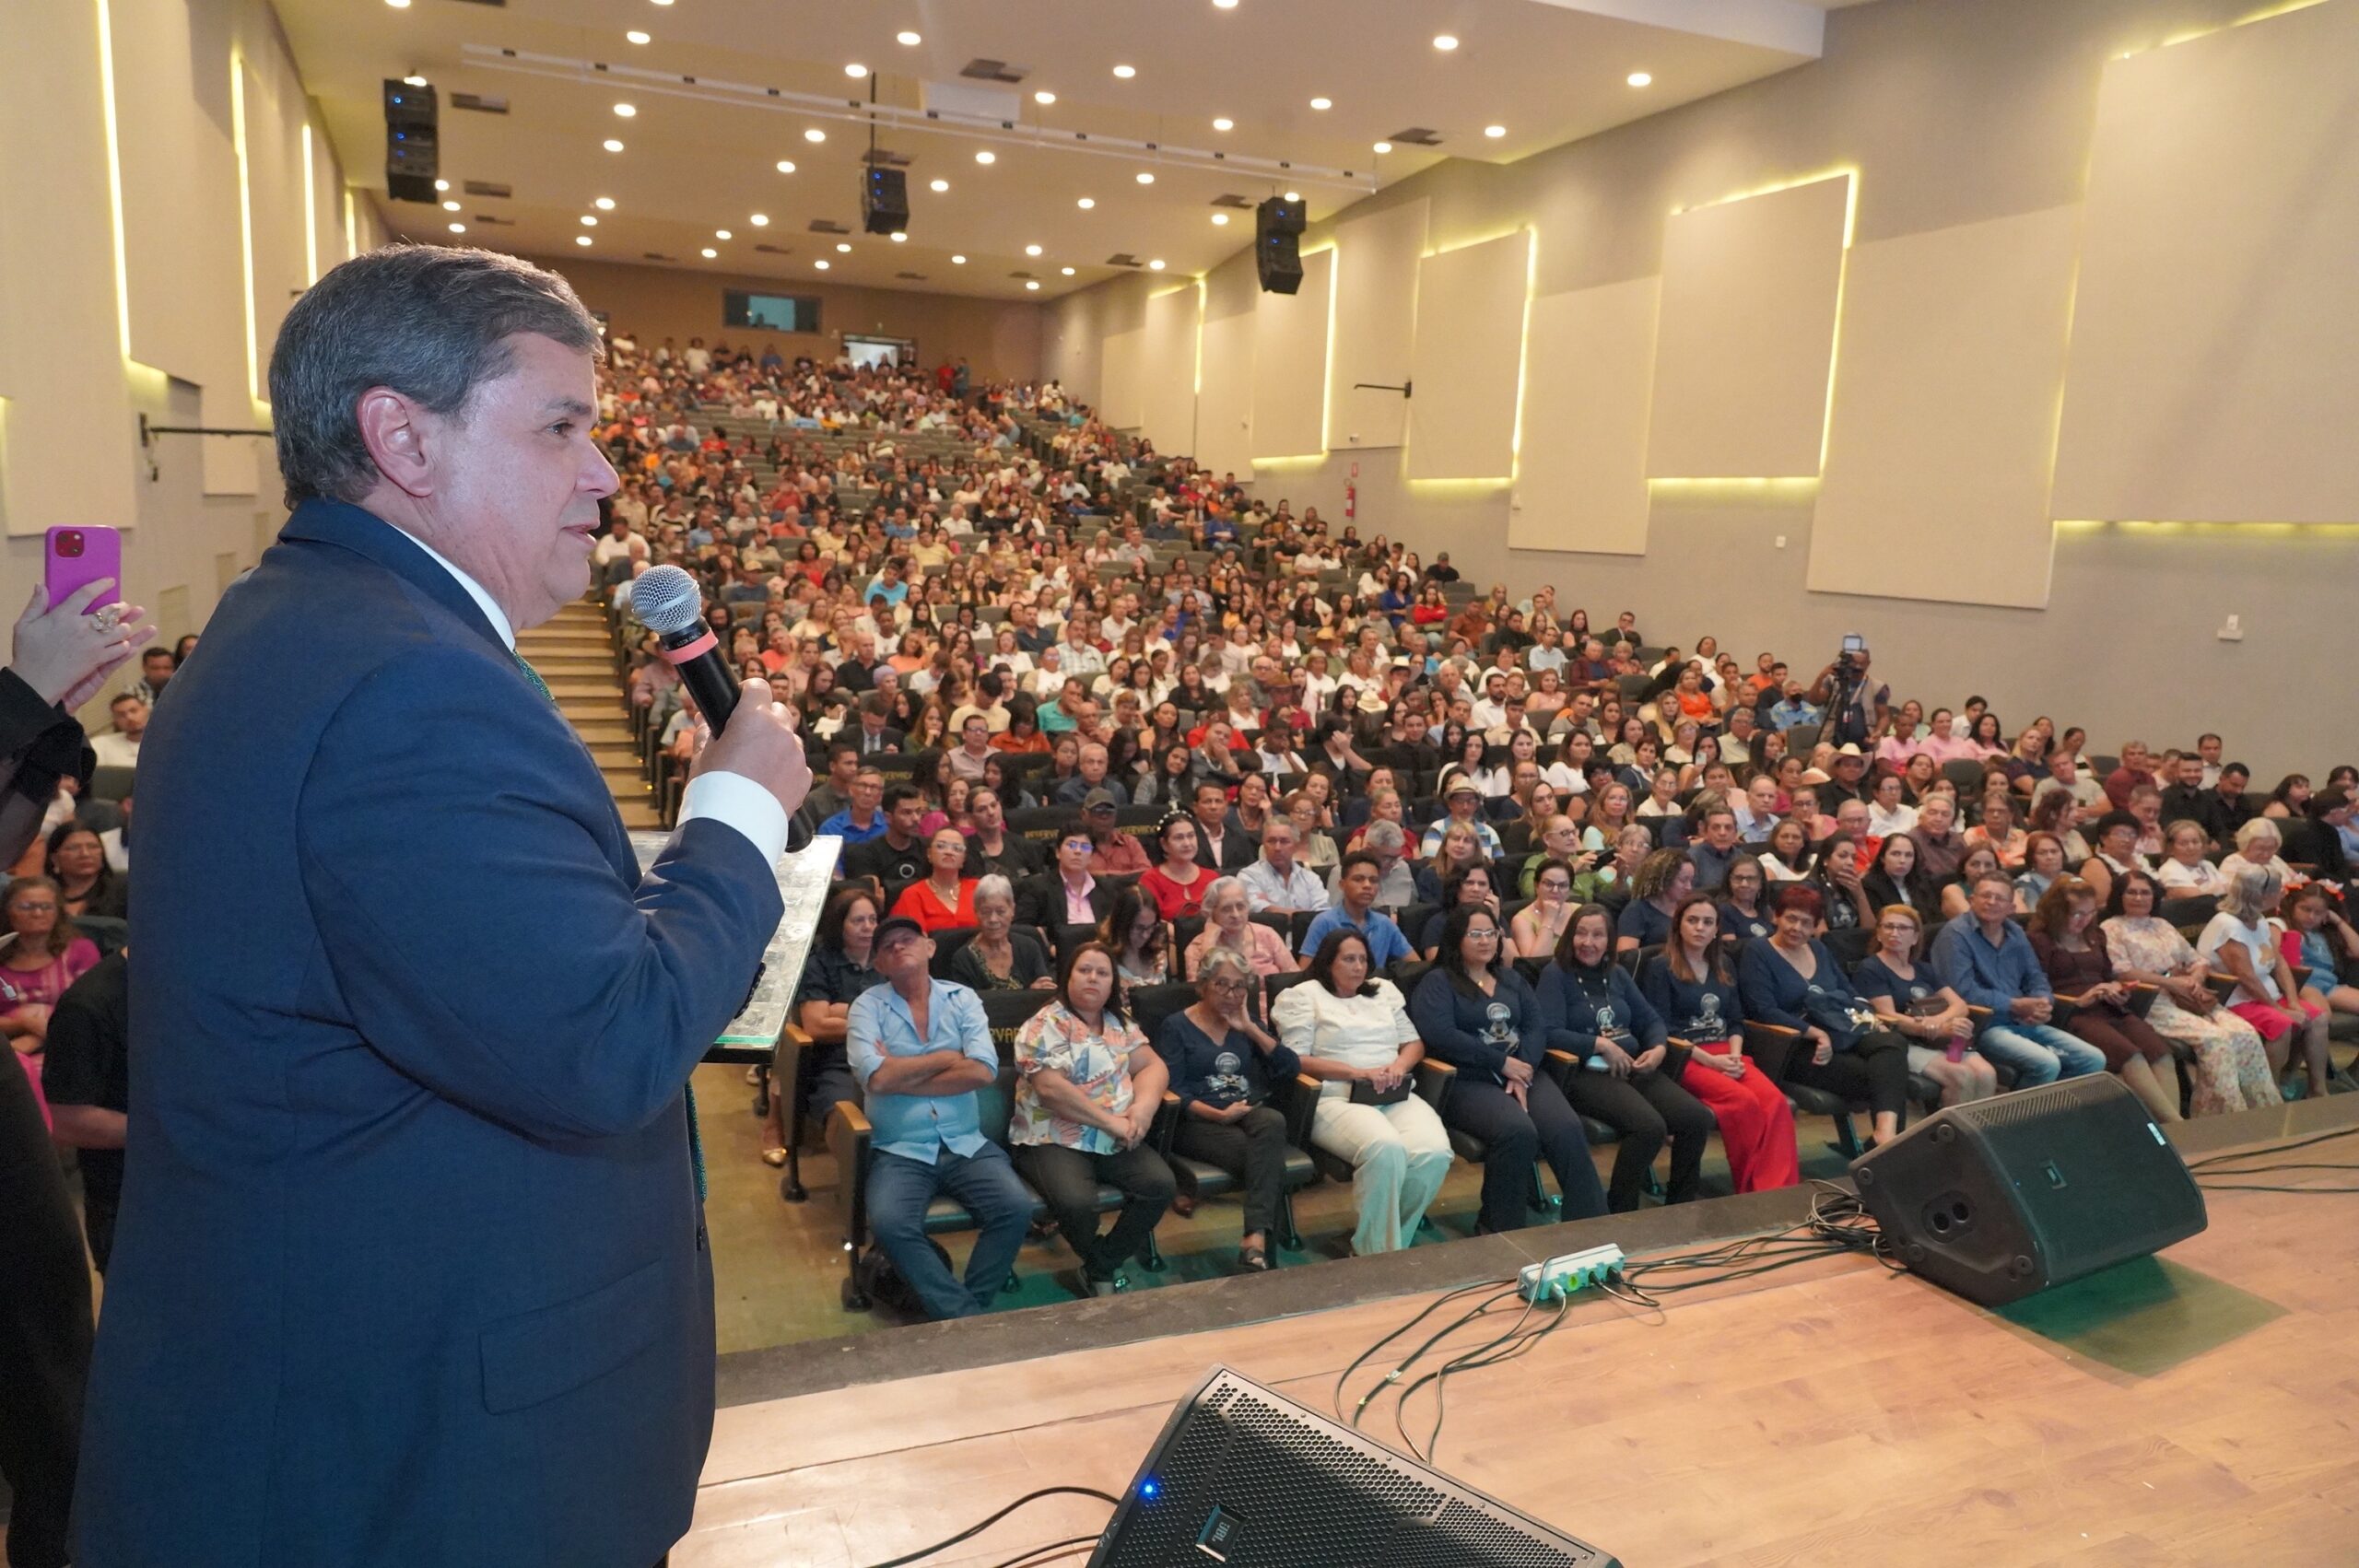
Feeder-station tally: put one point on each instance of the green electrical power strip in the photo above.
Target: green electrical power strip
(1562, 1276)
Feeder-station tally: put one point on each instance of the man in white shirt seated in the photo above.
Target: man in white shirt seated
(1756, 811)
(119, 747)
(1276, 881)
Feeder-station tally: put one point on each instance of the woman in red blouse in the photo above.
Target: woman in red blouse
(1178, 884)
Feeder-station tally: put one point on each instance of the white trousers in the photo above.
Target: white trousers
(1399, 1153)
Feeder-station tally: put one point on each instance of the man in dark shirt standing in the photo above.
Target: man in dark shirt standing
(86, 1071)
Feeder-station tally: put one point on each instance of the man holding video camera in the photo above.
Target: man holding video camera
(1855, 710)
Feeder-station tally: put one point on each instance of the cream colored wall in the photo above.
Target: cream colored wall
(84, 351)
(1952, 115)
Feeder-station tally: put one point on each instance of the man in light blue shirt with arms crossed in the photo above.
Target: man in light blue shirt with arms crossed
(921, 1049)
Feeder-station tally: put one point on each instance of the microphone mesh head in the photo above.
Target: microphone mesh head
(666, 600)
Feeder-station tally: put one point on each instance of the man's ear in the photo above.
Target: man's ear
(393, 427)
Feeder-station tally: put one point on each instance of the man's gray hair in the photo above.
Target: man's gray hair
(993, 887)
(431, 322)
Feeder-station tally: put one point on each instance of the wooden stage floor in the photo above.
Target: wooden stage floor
(2201, 1406)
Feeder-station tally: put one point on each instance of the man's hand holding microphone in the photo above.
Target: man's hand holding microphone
(752, 735)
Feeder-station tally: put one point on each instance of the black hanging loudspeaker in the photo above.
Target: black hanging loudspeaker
(1278, 244)
(2005, 1197)
(413, 142)
(885, 200)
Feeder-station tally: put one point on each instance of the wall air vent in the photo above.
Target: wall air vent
(993, 71)
(912, 277)
(484, 218)
(480, 103)
(657, 256)
(1122, 259)
(486, 188)
(1232, 200)
(1416, 136)
(887, 158)
(827, 226)
(775, 249)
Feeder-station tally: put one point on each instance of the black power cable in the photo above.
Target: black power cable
(974, 1530)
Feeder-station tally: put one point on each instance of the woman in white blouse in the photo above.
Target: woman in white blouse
(2259, 844)
(2184, 873)
(1353, 1035)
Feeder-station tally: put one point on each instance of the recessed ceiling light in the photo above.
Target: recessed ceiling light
(987, 156)
(588, 221)
(815, 134)
(1044, 96)
(759, 220)
(450, 206)
(709, 252)
(441, 184)
(1224, 123)
(1031, 282)
(941, 185)
(413, 81)
(662, 2)
(1293, 195)
(909, 39)
(821, 264)
(1087, 203)
(855, 70)
(582, 239)
(1223, 5)
(1444, 41)
(722, 234)
(1220, 220)
(604, 204)
(1322, 103)
(1145, 178)
(844, 246)
(1156, 265)
(1031, 250)
(1639, 79)
(456, 227)
(398, 5)
(1126, 72)
(898, 237)
(1384, 147)
(626, 110)
(636, 36)
(1067, 270)
(957, 261)
(613, 145)
(1494, 131)
(786, 166)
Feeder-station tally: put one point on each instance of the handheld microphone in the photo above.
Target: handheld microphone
(668, 602)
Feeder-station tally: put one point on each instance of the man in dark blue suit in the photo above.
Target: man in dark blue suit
(411, 1267)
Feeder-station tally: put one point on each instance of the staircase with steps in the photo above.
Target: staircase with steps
(575, 655)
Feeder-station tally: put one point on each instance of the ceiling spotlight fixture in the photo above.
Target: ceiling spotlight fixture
(398, 5)
(1067, 270)
(582, 239)
(1145, 178)
(626, 110)
(709, 252)
(1444, 41)
(1156, 265)
(1384, 147)
(844, 247)
(413, 81)
(613, 145)
(786, 166)
(721, 234)
(1293, 195)
(1087, 203)
(636, 36)
(908, 40)
(1126, 72)
(855, 70)
(759, 220)
(1220, 220)
(456, 227)
(821, 264)
(1322, 103)
(604, 204)
(1224, 123)
(1031, 250)
(1494, 131)
(987, 156)
(1044, 97)
(450, 206)
(1639, 79)
(940, 185)
(898, 237)
(662, 2)
(1031, 282)
(957, 261)
(441, 184)
(814, 135)
(1223, 5)
(588, 221)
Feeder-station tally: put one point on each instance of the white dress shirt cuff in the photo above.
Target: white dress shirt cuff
(733, 798)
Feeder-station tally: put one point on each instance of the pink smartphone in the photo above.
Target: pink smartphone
(72, 559)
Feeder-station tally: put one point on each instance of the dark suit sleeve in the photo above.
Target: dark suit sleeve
(449, 843)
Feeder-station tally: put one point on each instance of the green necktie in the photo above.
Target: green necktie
(696, 1139)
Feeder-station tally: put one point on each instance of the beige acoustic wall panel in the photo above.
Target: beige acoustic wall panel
(1290, 364)
(1224, 400)
(1747, 334)
(1939, 458)
(1582, 478)
(1376, 318)
(2214, 371)
(1468, 356)
(1122, 385)
(1167, 370)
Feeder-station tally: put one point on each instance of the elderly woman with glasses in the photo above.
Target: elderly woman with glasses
(47, 956)
(1224, 1066)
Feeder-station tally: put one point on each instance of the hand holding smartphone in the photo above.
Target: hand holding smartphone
(75, 629)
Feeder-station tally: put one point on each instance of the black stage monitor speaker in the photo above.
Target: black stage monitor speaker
(2005, 1197)
(885, 200)
(413, 142)
(1277, 245)
(1245, 1477)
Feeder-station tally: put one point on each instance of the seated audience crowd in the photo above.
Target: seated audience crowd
(1262, 840)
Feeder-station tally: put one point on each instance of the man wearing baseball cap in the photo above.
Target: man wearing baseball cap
(922, 1048)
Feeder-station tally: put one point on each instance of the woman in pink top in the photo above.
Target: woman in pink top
(45, 957)
(1228, 923)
